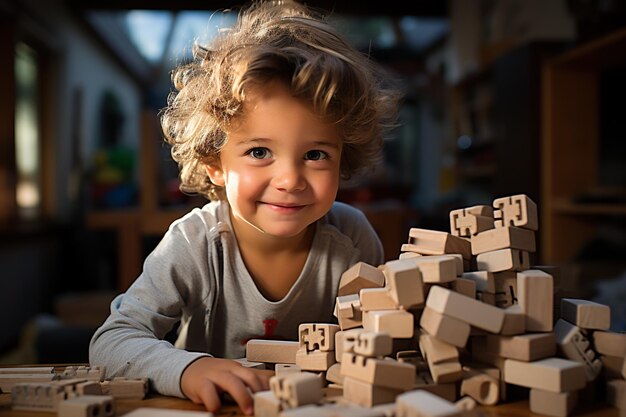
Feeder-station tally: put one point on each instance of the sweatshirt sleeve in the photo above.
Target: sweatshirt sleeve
(130, 342)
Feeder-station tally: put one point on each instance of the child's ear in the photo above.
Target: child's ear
(215, 174)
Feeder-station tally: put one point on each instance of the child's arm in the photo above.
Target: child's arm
(205, 378)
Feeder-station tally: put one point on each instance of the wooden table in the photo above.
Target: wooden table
(512, 409)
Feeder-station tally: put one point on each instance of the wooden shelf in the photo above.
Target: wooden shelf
(570, 152)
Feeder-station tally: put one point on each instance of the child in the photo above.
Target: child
(265, 123)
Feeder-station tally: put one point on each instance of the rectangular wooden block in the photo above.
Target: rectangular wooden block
(503, 238)
(616, 393)
(271, 351)
(610, 343)
(535, 295)
(525, 347)
(344, 342)
(436, 350)
(574, 345)
(266, 404)
(404, 282)
(87, 406)
(366, 394)
(348, 311)
(360, 275)
(164, 412)
(465, 286)
(397, 323)
(31, 370)
(557, 404)
(434, 242)
(552, 374)
(438, 269)
(503, 260)
(379, 372)
(376, 299)
(586, 314)
(514, 321)
(445, 328)
(8, 381)
(463, 308)
(372, 344)
(297, 389)
(484, 280)
(315, 360)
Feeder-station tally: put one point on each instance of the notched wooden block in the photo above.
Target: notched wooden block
(317, 336)
(517, 210)
(360, 275)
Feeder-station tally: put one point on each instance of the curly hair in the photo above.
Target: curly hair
(276, 40)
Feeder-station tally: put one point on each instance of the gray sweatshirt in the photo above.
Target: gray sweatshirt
(196, 277)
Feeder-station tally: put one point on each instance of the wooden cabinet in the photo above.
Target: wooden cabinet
(577, 200)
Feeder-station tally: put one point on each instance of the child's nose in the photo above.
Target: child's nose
(289, 178)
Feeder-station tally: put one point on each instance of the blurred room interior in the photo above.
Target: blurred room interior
(502, 97)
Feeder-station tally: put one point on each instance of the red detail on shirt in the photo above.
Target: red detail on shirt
(269, 326)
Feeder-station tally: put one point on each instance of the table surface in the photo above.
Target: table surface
(510, 409)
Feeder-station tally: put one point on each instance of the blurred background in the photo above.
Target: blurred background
(502, 97)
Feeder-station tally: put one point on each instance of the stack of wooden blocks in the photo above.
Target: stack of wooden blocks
(77, 391)
(452, 322)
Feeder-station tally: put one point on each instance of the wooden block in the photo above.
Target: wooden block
(446, 391)
(506, 288)
(344, 342)
(464, 286)
(397, 323)
(558, 404)
(484, 280)
(463, 308)
(92, 373)
(317, 336)
(310, 410)
(42, 396)
(466, 224)
(266, 404)
(334, 374)
(552, 374)
(492, 371)
(445, 328)
(315, 360)
(271, 351)
(367, 395)
(503, 238)
(433, 242)
(372, 344)
(486, 297)
(247, 364)
(535, 295)
(87, 406)
(409, 255)
(8, 381)
(586, 314)
(286, 368)
(481, 387)
(165, 412)
(439, 269)
(503, 260)
(514, 321)
(348, 311)
(30, 370)
(610, 343)
(379, 372)
(297, 389)
(404, 282)
(525, 347)
(125, 388)
(437, 351)
(445, 372)
(376, 299)
(613, 367)
(574, 345)
(360, 275)
(88, 388)
(616, 393)
(420, 403)
(517, 210)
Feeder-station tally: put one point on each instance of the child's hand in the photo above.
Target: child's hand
(205, 378)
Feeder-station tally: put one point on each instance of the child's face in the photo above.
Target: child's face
(280, 164)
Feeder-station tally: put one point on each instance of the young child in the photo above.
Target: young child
(265, 123)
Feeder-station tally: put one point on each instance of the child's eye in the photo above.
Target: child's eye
(315, 155)
(259, 153)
